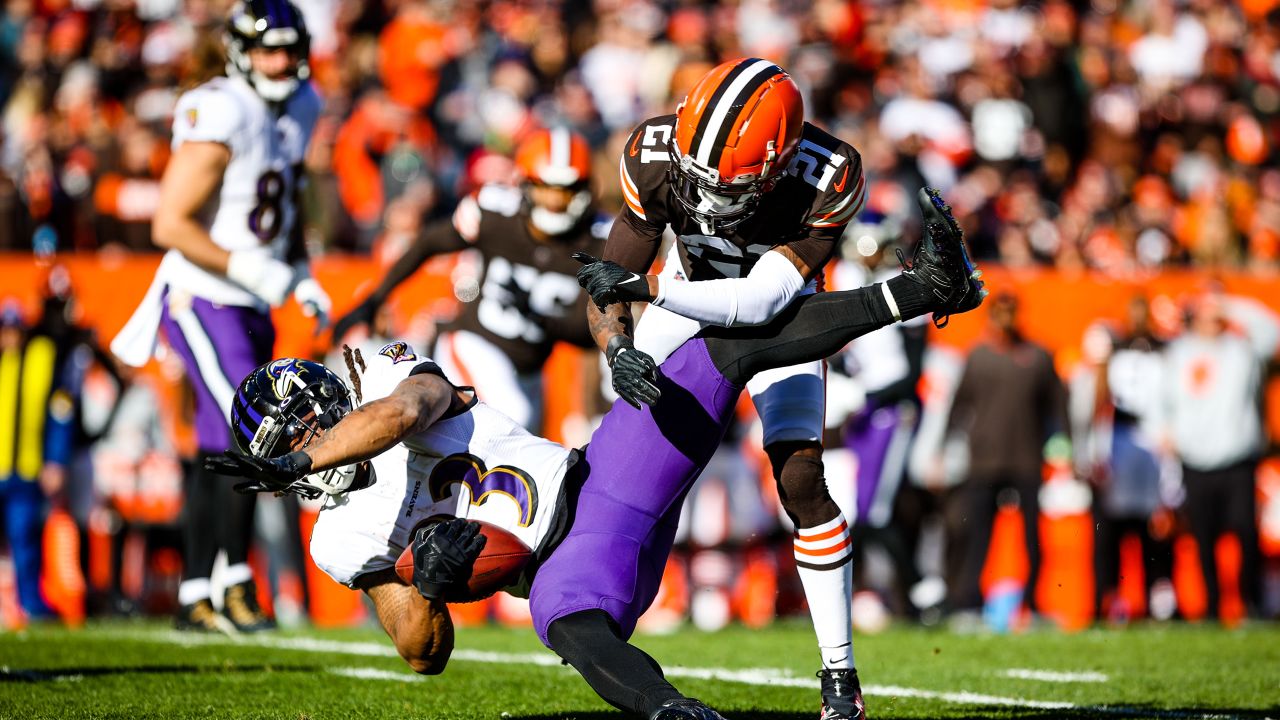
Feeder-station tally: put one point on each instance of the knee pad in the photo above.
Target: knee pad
(803, 491)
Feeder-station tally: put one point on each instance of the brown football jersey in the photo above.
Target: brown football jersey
(529, 296)
(820, 192)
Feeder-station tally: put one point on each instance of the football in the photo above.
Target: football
(499, 565)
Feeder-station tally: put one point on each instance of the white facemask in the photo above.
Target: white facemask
(559, 223)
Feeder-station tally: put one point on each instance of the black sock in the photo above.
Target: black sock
(200, 521)
(236, 526)
(912, 298)
(620, 673)
(812, 327)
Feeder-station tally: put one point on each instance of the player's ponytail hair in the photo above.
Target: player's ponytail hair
(208, 58)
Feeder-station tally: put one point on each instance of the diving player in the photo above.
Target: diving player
(228, 216)
(528, 297)
(600, 520)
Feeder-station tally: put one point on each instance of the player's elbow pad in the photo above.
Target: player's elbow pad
(752, 300)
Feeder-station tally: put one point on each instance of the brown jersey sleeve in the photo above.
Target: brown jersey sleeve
(642, 174)
(633, 243)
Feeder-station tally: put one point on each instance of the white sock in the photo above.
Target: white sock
(193, 591)
(823, 559)
(236, 574)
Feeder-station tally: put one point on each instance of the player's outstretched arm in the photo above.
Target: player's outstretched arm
(420, 628)
(775, 280)
(634, 372)
(375, 427)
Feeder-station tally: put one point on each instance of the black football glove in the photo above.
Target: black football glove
(265, 474)
(443, 554)
(361, 314)
(607, 282)
(635, 374)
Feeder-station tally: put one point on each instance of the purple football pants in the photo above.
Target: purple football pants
(219, 345)
(639, 466)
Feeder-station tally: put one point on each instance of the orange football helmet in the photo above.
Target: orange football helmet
(735, 133)
(561, 159)
(557, 157)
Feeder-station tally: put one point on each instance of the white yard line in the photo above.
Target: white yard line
(766, 677)
(1055, 676)
(368, 673)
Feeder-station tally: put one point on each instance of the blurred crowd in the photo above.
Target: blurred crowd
(1120, 137)
(1115, 135)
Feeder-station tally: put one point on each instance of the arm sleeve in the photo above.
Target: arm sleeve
(752, 300)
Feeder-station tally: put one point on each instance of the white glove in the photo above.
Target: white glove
(313, 299)
(262, 275)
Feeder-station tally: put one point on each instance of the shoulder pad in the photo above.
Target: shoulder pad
(398, 352)
(427, 367)
(501, 199)
(833, 168)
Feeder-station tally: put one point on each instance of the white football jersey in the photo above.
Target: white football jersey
(254, 207)
(477, 464)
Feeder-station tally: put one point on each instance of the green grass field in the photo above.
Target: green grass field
(144, 670)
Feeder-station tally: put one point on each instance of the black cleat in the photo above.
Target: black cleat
(841, 695)
(200, 616)
(685, 709)
(941, 262)
(240, 606)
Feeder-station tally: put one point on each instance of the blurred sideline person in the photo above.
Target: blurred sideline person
(872, 406)
(758, 199)
(228, 216)
(1115, 408)
(1010, 402)
(1213, 410)
(600, 520)
(528, 297)
(26, 383)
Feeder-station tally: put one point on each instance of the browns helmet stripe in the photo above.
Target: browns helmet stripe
(725, 105)
(560, 147)
(705, 118)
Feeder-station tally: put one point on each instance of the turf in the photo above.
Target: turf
(143, 670)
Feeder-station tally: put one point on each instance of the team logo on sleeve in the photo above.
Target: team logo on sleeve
(398, 352)
(192, 115)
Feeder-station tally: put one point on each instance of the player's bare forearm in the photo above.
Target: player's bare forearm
(191, 178)
(373, 428)
(805, 271)
(420, 628)
(614, 320)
